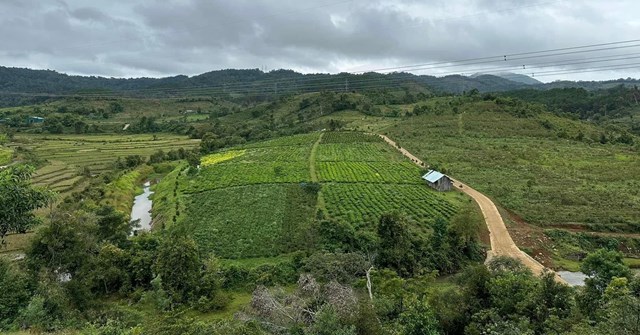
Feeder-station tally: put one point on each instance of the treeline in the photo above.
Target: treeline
(586, 105)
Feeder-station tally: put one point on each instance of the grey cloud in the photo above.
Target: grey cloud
(159, 38)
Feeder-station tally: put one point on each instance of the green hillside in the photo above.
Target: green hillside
(548, 170)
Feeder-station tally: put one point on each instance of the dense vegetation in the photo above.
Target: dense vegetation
(264, 224)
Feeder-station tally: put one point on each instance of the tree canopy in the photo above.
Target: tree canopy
(18, 199)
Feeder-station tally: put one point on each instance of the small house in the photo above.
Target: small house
(35, 119)
(438, 180)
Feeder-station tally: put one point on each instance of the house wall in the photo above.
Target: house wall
(444, 184)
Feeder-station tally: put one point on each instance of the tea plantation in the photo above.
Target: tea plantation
(260, 200)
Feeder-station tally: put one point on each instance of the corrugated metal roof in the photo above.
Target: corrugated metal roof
(432, 176)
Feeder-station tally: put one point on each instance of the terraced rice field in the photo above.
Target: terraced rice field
(68, 156)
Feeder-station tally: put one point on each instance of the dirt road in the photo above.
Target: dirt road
(501, 242)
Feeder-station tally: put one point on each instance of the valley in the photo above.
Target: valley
(264, 192)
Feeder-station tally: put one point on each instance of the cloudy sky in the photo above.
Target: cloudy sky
(167, 37)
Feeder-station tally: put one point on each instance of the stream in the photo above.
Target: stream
(142, 209)
(573, 278)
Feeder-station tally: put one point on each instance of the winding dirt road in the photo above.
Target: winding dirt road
(501, 242)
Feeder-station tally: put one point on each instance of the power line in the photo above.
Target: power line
(512, 57)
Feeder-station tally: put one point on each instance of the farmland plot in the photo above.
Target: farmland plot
(68, 155)
(363, 178)
(358, 152)
(369, 172)
(255, 201)
(362, 204)
(250, 221)
(237, 174)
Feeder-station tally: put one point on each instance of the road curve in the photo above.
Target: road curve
(501, 242)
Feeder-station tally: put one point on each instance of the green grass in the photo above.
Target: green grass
(167, 202)
(633, 263)
(528, 168)
(6, 155)
(121, 192)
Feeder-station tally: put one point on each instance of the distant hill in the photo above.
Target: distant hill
(19, 86)
(518, 78)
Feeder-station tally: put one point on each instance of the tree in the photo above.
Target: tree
(178, 264)
(116, 107)
(193, 159)
(601, 266)
(622, 310)
(112, 225)
(65, 245)
(14, 292)
(419, 318)
(18, 200)
(394, 243)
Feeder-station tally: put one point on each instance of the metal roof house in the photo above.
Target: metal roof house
(438, 180)
(35, 119)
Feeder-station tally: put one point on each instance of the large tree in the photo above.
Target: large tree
(18, 199)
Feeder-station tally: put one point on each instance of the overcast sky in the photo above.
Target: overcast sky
(161, 38)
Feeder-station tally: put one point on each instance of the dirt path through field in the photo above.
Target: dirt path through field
(312, 159)
(501, 242)
(313, 173)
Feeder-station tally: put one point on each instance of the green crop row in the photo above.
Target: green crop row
(5, 155)
(362, 204)
(369, 172)
(366, 152)
(235, 174)
(349, 137)
(302, 139)
(291, 153)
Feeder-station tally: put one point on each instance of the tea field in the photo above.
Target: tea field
(259, 200)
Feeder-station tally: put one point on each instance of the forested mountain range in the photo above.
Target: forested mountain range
(19, 86)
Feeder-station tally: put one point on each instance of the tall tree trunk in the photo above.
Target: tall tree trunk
(369, 284)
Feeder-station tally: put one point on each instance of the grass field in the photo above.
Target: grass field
(258, 200)
(528, 169)
(68, 156)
